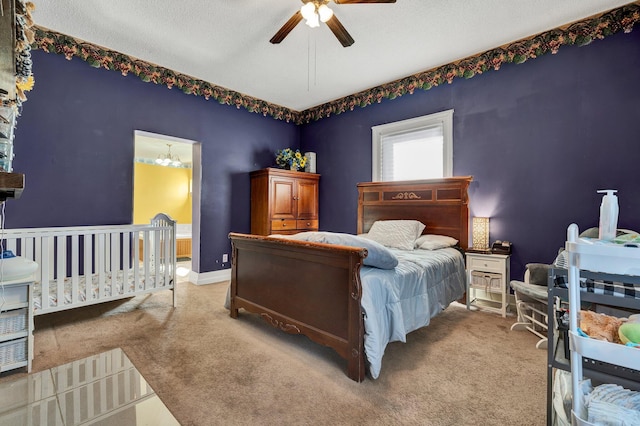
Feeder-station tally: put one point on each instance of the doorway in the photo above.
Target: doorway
(167, 179)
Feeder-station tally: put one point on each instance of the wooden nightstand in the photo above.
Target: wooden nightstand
(489, 272)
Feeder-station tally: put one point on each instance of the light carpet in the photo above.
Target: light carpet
(466, 368)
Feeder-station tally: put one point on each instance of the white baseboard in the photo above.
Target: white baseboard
(201, 278)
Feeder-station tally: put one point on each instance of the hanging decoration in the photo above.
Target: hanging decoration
(17, 78)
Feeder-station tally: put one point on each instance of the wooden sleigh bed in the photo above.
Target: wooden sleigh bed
(322, 298)
(85, 265)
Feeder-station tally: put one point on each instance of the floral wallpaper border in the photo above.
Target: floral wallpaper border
(579, 33)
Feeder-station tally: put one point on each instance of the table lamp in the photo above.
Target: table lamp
(480, 233)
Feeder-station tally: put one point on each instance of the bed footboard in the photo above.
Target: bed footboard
(302, 288)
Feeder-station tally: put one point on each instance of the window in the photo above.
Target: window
(418, 148)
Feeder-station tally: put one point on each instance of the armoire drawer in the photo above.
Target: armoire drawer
(283, 225)
(307, 224)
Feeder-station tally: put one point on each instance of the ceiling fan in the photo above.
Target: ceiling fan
(316, 11)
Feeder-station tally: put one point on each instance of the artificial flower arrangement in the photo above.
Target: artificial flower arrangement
(290, 159)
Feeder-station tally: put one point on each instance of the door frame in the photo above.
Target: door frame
(196, 177)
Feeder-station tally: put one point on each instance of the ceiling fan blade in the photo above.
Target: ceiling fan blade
(362, 1)
(286, 28)
(339, 31)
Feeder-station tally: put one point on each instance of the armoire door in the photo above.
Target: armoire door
(307, 198)
(283, 203)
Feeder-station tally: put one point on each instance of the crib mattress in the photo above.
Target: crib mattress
(94, 291)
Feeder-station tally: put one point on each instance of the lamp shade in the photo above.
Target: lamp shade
(480, 232)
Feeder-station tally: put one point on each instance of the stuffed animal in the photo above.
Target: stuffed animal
(601, 326)
(629, 332)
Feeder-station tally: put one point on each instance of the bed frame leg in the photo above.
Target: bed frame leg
(356, 367)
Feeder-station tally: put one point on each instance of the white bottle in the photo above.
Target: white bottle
(608, 215)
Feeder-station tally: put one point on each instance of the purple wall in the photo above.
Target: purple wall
(539, 139)
(74, 143)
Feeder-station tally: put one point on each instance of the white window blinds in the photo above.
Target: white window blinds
(417, 148)
(413, 155)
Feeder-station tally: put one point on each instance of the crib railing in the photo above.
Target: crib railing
(106, 257)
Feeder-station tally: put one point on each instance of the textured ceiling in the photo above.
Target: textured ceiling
(226, 42)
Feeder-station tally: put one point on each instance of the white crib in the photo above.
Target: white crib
(80, 266)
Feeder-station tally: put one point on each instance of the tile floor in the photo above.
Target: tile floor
(104, 389)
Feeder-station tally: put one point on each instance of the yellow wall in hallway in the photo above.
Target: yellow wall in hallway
(161, 189)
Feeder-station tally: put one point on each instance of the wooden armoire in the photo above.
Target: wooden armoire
(283, 201)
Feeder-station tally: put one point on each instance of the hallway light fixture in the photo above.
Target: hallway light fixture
(168, 159)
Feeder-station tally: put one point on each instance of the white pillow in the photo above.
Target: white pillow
(434, 242)
(401, 234)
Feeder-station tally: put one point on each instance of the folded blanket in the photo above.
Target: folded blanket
(611, 404)
(611, 288)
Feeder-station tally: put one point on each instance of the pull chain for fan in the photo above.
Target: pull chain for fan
(315, 66)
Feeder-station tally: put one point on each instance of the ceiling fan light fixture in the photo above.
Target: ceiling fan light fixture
(316, 11)
(308, 10)
(314, 21)
(325, 13)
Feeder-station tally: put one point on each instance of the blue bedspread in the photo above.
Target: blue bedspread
(398, 301)
(402, 299)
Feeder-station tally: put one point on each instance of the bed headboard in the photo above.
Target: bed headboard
(441, 204)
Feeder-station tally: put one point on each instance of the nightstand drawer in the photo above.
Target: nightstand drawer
(486, 264)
